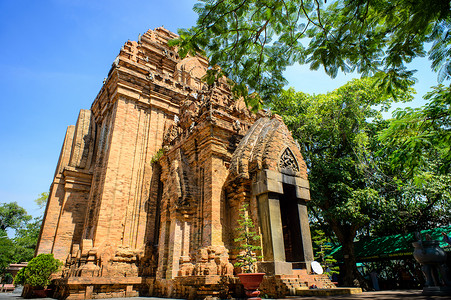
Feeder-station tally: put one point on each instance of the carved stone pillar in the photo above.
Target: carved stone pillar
(268, 187)
(306, 238)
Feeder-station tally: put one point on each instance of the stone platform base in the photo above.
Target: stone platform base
(97, 287)
(436, 291)
(190, 287)
(280, 286)
(328, 292)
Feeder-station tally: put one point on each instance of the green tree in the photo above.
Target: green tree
(12, 216)
(414, 153)
(6, 251)
(414, 135)
(26, 239)
(42, 200)
(247, 238)
(322, 246)
(335, 133)
(23, 228)
(418, 204)
(252, 42)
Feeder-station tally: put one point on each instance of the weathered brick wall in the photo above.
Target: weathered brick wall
(136, 136)
(129, 116)
(65, 212)
(56, 196)
(117, 210)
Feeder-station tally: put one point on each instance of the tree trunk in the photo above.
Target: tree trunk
(351, 276)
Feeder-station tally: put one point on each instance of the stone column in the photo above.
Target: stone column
(56, 198)
(271, 223)
(175, 248)
(306, 239)
(213, 181)
(186, 238)
(272, 236)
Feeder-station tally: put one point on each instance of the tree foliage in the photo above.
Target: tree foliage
(358, 187)
(322, 247)
(247, 238)
(414, 151)
(12, 216)
(37, 272)
(25, 240)
(24, 232)
(252, 42)
(416, 135)
(6, 251)
(41, 201)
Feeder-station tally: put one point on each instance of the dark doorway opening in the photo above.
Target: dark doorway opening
(291, 225)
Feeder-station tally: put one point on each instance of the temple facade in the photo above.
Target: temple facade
(149, 183)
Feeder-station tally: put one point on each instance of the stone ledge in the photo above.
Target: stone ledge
(272, 181)
(328, 292)
(100, 280)
(436, 291)
(201, 279)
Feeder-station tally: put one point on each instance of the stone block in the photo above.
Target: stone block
(303, 183)
(274, 267)
(302, 193)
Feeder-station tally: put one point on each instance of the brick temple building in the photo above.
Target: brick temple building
(150, 180)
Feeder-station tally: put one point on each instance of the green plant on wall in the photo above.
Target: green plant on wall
(157, 156)
(37, 272)
(247, 257)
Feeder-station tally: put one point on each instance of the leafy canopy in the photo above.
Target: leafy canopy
(15, 221)
(414, 135)
(25, 240)
(336, 133)
(369, 176)
(42, 200)
(252, 42)
(414, 149)
(12, 216)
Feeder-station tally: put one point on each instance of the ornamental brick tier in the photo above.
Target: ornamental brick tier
(149, 183)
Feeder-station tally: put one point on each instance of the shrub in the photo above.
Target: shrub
(157, 156)
(37, 272)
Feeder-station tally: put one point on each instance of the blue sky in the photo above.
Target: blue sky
(54, 57)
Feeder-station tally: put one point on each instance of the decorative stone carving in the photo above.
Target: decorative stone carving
(189, 111)
(213, 261)
(171, 134)
(181, 170)
(123, 264)
(224, 266)
(288, 161)
(186, 267)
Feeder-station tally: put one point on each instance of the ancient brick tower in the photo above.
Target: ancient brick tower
(148, 185)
